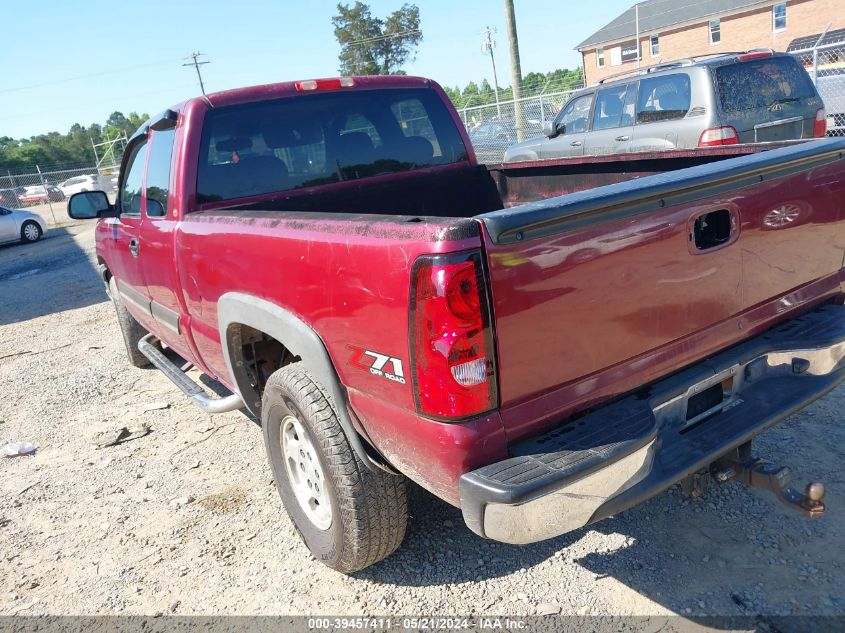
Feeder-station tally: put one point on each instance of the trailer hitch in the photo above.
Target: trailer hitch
(758, 473)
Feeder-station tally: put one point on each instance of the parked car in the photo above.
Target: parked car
(9, 198)
(17, 225)
(89, 182)
(389, 309)
(490, 139)
(39, 194)
(831, 87)
(718, 100)
(536, 116)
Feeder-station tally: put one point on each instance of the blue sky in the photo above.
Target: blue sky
(87, 59)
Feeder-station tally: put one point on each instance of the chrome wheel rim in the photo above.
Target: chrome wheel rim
(305, 473)
(30, 231)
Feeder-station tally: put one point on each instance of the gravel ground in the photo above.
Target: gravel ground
(186, 519)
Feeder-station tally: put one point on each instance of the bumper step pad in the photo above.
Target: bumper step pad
(657, 439)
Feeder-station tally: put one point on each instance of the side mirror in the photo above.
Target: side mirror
(87, 205)
(551, 131)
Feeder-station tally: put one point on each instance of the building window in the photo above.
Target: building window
(715, 31)
(600, 57)
(779, 17)
(654, 40)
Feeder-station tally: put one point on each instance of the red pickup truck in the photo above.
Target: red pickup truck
(541, 357)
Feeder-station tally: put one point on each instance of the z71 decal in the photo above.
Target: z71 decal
(377, 364)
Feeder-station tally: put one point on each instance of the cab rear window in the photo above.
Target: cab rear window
(761, 83)
(323, 138)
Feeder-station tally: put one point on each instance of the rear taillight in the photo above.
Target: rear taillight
(324, 84)
(452, 351)
(820, 124)
(725, 135)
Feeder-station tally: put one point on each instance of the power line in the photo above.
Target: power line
(382, 37)
(87, 76)
(77, 106)
(196, 64)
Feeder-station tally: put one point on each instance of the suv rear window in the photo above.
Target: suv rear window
(760, 83)
(323, 138)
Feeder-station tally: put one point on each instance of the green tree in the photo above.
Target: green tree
(72, 149)
(372, 46)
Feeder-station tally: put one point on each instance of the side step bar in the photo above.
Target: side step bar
(178, 377)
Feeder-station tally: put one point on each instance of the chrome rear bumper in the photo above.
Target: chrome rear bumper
(600, 464)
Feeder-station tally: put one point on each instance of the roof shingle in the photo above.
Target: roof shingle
(659, 14)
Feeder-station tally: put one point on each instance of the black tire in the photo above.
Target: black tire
(131, 330)
(31, 227)
(369, 509)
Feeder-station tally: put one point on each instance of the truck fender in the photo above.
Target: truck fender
(236, 308)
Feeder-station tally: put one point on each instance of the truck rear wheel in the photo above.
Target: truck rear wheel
(348, 516)
(131, 330)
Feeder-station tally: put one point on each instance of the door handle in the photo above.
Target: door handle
(576, 143)
(134, 247)
(624, 137)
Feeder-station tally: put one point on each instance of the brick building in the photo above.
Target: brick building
(675, 29)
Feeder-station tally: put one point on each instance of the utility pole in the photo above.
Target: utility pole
(516, 70)
(487, 46)
(637, 20)
(196, 64)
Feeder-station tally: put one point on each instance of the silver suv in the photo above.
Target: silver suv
(751, 97)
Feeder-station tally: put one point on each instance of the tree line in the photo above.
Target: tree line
(64, 150)
(533, 84)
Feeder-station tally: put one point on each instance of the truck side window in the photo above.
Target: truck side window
(130, 191)
(663, 98)
(158, 172)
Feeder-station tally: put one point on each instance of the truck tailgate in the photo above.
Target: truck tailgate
(599, 292)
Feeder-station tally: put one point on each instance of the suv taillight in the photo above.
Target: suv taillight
(820, 124)
(725, 135)
(452, 352)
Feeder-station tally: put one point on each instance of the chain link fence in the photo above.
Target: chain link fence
(495, 126)
(826, 67)
(45, 191)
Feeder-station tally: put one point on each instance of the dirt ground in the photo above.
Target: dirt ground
(186, 520)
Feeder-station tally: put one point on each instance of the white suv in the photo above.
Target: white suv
(80, 183)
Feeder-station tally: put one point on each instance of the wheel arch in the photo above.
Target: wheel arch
(237, 310)
(37, 221)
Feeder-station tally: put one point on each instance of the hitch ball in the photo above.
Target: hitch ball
(815, 491)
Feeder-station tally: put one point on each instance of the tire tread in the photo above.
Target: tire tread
(373, 505)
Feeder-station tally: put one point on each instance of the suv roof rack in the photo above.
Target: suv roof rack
(675, 63)
(679, 63)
